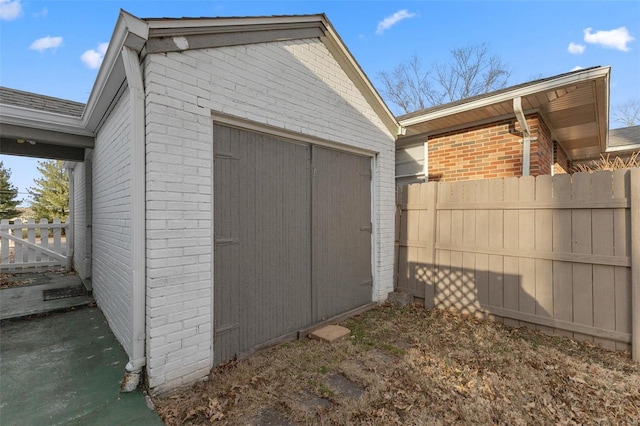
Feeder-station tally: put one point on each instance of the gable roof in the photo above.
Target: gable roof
(25, 110)
(158, 35)
(575, 105)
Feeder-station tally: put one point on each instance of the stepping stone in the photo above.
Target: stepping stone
(331, 333)
(313, 403)
(268, 417)
(384, 357)
(344, 386)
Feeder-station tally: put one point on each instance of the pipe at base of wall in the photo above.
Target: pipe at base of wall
(131, 379)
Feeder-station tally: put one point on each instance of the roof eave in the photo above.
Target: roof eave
(129, 31)
(181, 26)
(347, 61)
(602, 72)
(44, 120)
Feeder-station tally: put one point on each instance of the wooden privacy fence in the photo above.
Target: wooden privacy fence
(32, 245)
(561, 253)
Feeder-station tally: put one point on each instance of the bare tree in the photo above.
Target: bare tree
(626, 114)
(471, 71)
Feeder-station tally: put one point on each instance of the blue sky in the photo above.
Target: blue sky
(55, 47)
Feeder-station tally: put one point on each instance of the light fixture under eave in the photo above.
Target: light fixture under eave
(32, 142)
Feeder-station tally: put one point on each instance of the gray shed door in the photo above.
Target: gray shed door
(292, 237)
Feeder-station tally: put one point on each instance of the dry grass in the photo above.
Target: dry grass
(421, 367)
(608, 163)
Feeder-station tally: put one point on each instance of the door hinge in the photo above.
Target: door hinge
(226, 241)
(226, 156)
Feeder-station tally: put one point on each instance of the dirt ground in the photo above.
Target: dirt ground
(416, 367)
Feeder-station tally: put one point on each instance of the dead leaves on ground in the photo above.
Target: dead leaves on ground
(455, 369)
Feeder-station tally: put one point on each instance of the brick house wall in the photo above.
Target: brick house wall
(295, 85)
(561, 163)
(491, 150)
(541, 148)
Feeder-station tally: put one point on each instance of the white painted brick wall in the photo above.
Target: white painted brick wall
(295, 85)
(111, 274)
(80, 221)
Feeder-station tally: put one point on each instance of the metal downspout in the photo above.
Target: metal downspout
(526, 135)
(137, 360)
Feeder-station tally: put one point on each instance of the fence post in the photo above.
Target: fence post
(396, 240)
(635, 263)
(430, 285)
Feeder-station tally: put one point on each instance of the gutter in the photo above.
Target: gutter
(526, 135)
(130, 49)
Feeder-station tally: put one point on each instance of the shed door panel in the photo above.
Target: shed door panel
(292, 237)
(341, 232)
(262, 235)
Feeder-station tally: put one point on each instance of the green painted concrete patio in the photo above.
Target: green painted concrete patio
(65, 368)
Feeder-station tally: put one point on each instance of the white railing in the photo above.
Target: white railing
(32, 245)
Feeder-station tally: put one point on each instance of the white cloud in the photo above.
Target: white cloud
(612, 39)
(390, 21)
(45, 43)
(10, 10)
(576, 68)
(93, 58)
(576, 48)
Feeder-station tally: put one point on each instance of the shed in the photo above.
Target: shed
(240, 188)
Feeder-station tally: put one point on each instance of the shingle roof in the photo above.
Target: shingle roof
(40, 102)
(487, 95)
(624, 136)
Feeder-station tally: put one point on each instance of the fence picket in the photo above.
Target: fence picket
(526, 241)
(581, 238)
(4, 243)
(544, 242)
(496, 239)
(31, 237)
(18, 249)
(511, 241)
(482, 240)
(622, 247)
(57, 235)
(561, 241)
(603, 275)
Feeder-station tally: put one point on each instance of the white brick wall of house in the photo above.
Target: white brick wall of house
(82, 218)
(295, 85)
(111, 272)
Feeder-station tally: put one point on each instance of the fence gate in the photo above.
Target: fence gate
(32, 245)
